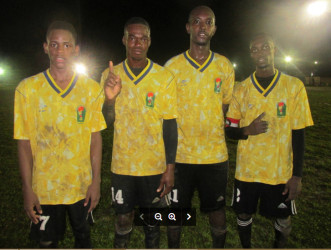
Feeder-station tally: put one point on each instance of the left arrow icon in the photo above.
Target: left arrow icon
(142, 216)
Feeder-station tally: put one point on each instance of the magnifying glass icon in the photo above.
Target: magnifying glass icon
(172, 216)
(158, 216)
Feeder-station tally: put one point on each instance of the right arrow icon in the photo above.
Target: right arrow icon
(188, 216)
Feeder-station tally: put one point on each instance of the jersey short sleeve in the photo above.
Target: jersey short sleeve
(21, 128)
(301, 111)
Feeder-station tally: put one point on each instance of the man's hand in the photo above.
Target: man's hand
(293, 188)
(112, 85)
(167, 181)
(257, 126)
(93, 194)
(31, 201)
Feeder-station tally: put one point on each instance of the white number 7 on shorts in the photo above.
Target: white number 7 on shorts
(44, 220)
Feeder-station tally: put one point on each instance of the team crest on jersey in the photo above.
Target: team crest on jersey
(81, 112)
(281, 109)
(150, 98)
(218, 83)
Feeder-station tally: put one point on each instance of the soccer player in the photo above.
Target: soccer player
(140, 96)
(268, 114)
(58, 118)
(204, 89)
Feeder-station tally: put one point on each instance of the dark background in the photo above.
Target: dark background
(100, 25)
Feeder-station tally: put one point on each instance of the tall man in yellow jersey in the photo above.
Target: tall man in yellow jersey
(141, 98)
(268, 114)
(57, 124)
(204, 89)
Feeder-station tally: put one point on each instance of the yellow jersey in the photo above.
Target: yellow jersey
(201, 92)
(142, 105)
(267, 157)
(59, 124)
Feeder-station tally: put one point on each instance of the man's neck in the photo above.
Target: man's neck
(199, 53)
(265, 72)
(137, 64)
(62, 77)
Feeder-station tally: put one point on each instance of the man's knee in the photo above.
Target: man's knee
(217, 218)
(123, 224)
(284, 225)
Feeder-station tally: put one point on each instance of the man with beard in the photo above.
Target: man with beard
(268, 114)
(204, 89)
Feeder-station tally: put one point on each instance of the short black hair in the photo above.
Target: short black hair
(62, 25)
(136, 20)
(259, 35)
(201, 7)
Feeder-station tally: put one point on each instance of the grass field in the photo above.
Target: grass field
(311, 227)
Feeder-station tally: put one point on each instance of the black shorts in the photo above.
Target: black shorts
(246, 196)
(52, 222)
(209, 179)
(131, 191)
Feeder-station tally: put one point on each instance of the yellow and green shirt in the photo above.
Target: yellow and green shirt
(267, 157)
(59, 124)
(145, 100)
(201, 92)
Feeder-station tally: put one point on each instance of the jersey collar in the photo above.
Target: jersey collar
(62, 92)
(196, 65)
(265, 92)
(138, 78)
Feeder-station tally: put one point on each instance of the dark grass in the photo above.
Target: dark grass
(311, 227)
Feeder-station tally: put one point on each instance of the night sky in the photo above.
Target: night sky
(100, 25)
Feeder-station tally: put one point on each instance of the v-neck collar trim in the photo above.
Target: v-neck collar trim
(143, 73)
(62, 92)
(195, 64)
(260, 89)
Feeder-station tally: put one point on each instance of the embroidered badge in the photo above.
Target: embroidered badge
(81, 111)
(218, 83)
(281, 109)
(150, 98)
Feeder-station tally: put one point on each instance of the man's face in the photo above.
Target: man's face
(61, 48)
(137, 40)
(262, 50)
(201, 26)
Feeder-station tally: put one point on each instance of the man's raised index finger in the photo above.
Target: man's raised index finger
(111, 67)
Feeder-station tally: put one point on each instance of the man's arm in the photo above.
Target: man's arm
(93, 191)
(112, 88)
(26, 164)
(293, 186)
(170, 138)
(108, 111)
(256, 127)
(225, 108)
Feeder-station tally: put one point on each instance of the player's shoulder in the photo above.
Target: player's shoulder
(157, 68)
(87, 81)
(175, 59)
(220, 59)
(240, 87)
(292, 83)
(291, 79)
(31, 81)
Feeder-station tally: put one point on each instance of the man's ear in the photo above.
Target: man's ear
(215, 28)
(123, 40)
(187, 28)
(45, 45)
